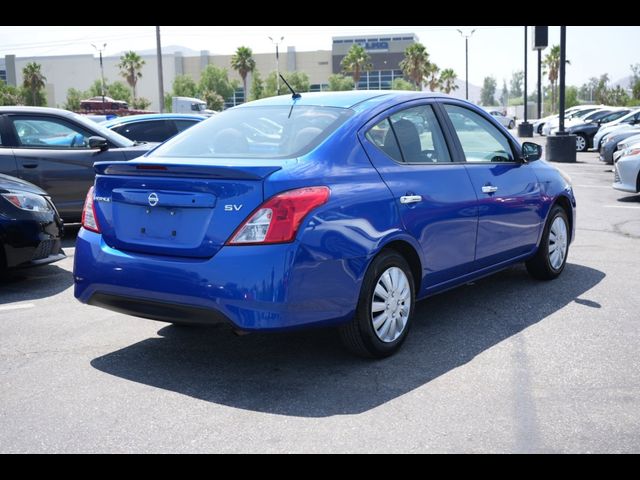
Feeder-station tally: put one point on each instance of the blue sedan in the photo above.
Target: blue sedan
(326, 209)
(152, 127)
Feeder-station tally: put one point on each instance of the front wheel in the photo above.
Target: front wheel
(511, 125)
(581, 143)
(385, 308)
(551, 257)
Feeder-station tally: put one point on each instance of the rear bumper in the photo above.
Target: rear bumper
(270, 287)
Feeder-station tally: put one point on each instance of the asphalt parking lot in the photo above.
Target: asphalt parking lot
(506, 364)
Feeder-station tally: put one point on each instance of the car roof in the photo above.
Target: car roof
(152, 116)
(44, 110)
(340, 99)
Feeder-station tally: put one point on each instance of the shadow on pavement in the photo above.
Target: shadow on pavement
(308, 374)
(630, 199)
(32, 283)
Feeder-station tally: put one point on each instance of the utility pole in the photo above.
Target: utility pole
(525, 129)
(277, 63)
(101, 74)
(160, 79)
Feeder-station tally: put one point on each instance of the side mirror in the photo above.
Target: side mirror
(531, 151)
(98, 142)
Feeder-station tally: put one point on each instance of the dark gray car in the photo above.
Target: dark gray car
(55, 150)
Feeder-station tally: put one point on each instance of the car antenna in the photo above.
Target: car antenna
(294, 95)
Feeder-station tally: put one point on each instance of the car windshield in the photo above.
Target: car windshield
(110, 135)
(257, 132)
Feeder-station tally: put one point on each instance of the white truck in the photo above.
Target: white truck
(189, 105)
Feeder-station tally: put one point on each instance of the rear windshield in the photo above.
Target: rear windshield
(256, 132)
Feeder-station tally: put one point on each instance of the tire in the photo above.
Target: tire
(540, 129)
(511, 125)
(581, 143)
(360, 335)
(544, 265)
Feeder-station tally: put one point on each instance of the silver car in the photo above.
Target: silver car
(503, 119)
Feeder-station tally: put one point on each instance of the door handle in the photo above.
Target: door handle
(489, 189)
(410, 199)
(30, 165)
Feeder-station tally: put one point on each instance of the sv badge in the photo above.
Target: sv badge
(232, 208)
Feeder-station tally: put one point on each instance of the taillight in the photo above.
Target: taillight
(89, 219)
(277, 220)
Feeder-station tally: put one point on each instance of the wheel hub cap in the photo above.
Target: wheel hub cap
(391, 305)
(558, 240)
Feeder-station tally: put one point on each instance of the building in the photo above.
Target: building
(80, 71)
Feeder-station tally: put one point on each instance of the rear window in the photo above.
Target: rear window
(257, 132)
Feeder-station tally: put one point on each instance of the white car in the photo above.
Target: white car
(577, 116)
(503, 119)
(626, 170)
(624, 145)
(631, 118)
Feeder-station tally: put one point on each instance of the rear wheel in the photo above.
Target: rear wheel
(511, 125)
(385, 308)
(540, 129)
(551, 257)
(581, 142)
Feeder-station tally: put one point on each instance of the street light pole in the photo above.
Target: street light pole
(160, 79)
(277, 63)
(101, 73)
(466, 61)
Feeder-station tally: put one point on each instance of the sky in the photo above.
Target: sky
(493, 50)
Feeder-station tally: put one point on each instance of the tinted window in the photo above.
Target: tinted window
(419, 136)
(150, 131)
(182, 125)
(613, 116)
(480, 140)
(50, 132)
(383, 137)
(257, 132)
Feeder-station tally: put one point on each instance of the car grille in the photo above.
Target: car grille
(45, 249)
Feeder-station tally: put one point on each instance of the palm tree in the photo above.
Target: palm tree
(130, 65)
(33, 80)
(552, 68)
(356, 61)
(433, 78)
(416, 65)
(243, 63)
(448, 80)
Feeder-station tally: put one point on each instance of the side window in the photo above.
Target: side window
(52, 133)
(383, 137)
(151, 131)
(182, 125)
(480, 140)
(419, 135)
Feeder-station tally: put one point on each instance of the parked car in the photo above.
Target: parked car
(585, 132)
(631, 119)
(539, 124)
(624, 145)
(154, 127)
(30, 228)
(627, 170)
(575, 117)
(334, 223)
(610, 144)
(503, 119)
(55, 150)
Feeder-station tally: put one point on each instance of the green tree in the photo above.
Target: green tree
(130, 68)
(587, 89)
(119, 91)
(402, 84)
(243, 63)
(488, 92)
(214, 100)
(355, 62)
(601, 89)
(74, 97)
(505, 93)
(571, 97)
(416, 65)
(168, 102)
(184, 86)
(141, 103)
(635, 81)
(299, 81)
(617, 96)
(552, 70)
(95, 89)
(448, 80)
(257, 86)
(433, 78)
(10, 95)
(339, 82)
(33, 82)
(517, 79)
(215, 80)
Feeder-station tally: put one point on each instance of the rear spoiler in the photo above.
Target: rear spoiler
(148, 169)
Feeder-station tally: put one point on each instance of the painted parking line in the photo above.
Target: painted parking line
(622, 206)
(5, 308)
(593, 186)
